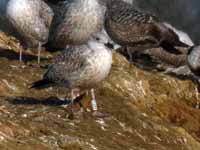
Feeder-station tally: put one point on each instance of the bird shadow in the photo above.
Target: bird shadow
(50, 101)
(12, 55)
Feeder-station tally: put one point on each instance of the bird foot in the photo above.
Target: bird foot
(182, 70)
(98, 114)
(21, 62)
(35, 65)
(76, 115)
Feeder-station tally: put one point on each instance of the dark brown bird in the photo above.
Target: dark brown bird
(132, 28)
(192, 67)
(193, 59)
(175, 60)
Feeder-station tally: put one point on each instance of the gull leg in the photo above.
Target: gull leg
(94, 106)
(182, 70)
(197, 96)
(76, 99)
(130, 54)
(39, 51)
(134, 52)
(87, 92)
(71, 115)
(81, 107)
(93, 101)
(79, 101)
(20, 54)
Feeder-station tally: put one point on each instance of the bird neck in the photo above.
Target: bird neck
(94, 45)
(89, 3)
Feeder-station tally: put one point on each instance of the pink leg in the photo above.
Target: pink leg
(39, 52)
(95, 113)
(71, 115)
(20, 54)
(93, 101)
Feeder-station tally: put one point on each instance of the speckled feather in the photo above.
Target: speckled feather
(128, 26)
(167, 57)
(31, 19)
(193, 59)
(79, 67)
(78, 20)
(128, 15)
(121, 16)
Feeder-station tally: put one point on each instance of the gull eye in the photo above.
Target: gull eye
(97, 38)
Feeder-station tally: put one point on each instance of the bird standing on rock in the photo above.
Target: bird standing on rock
(80, 68)
(132, 28)
(193, 59)
(75, 22)
(32, 20)
(192, 67)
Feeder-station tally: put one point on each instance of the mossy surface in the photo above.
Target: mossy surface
(146, 109)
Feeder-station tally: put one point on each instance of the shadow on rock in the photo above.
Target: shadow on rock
(12, 55)
(50, 101)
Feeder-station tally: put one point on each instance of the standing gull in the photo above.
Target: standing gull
(175, 60)
(80, 68)
(183, 36)
(191, 67)
(132, 28)
(32, 20)
(193, 59)
(75, 22)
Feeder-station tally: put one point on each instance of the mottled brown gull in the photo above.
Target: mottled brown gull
(193, 59)
(75, 22)
(80, 68)
(140, 30)
(32, 20)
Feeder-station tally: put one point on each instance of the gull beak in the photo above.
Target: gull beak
(109, 45)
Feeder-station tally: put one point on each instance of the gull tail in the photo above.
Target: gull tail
(44, 83)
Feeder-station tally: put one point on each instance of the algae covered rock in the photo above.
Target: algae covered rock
(146, 109)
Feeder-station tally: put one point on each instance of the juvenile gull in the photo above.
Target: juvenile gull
(162, 56)
(183, 36)
(75, 22)
(80, 68)
(169, 58)
(191, 67)
(32, 20)
(193, 59)
(132, 28)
